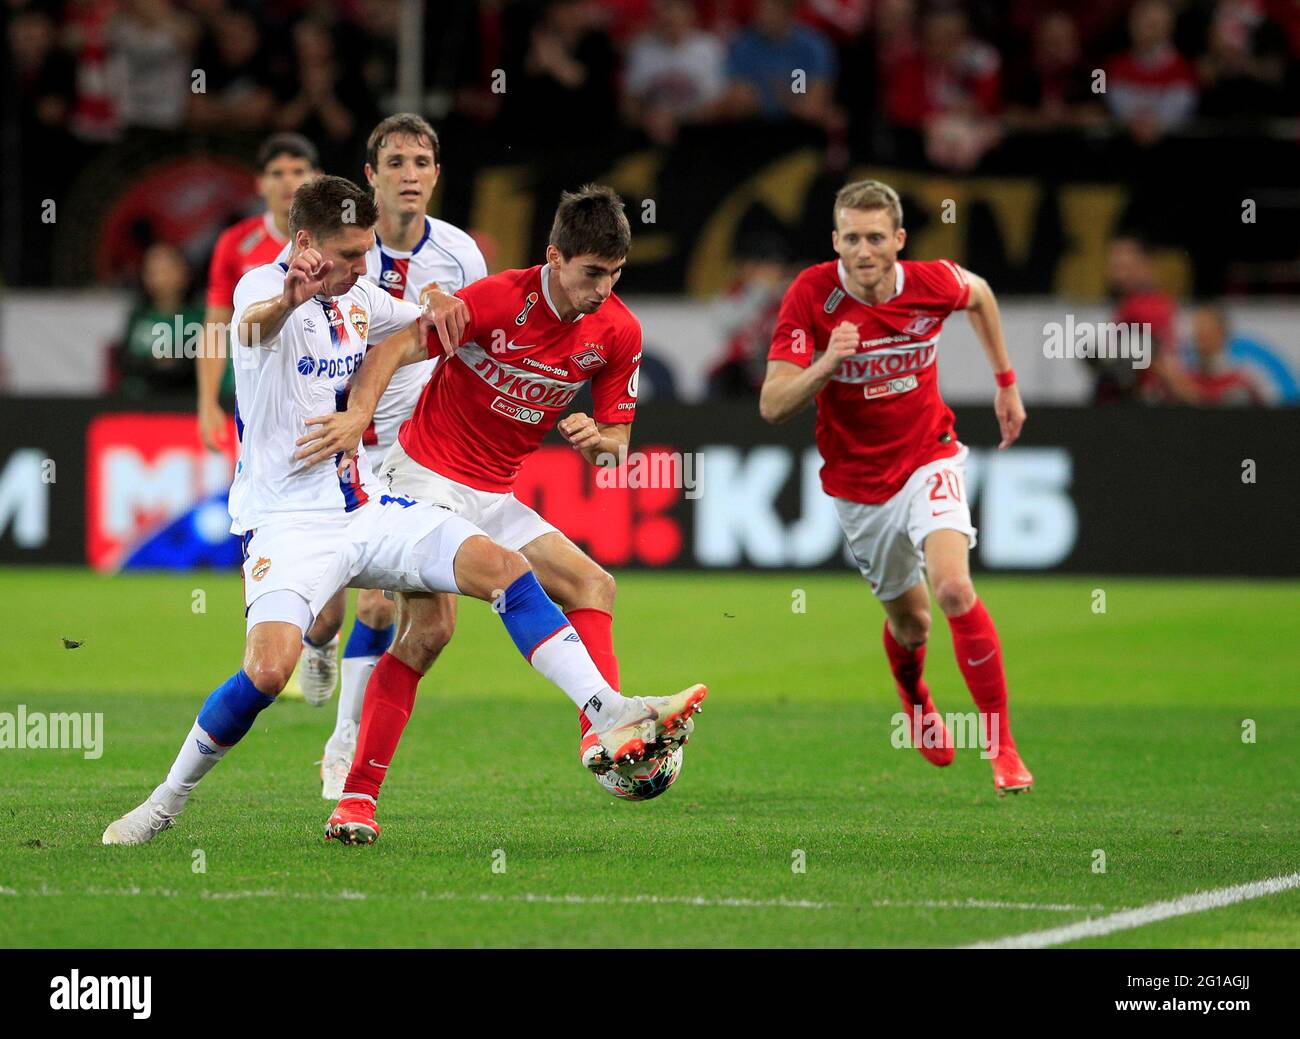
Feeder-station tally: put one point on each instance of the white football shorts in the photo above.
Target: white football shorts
(498, 514)
(888, 540)
(390, 543)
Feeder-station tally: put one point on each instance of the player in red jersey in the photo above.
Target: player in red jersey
(520, 344)
(284, 161)
(859, 336)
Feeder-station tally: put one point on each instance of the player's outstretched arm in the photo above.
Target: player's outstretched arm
(788, 388)
(986, 320)
(261, 322)
(327, 435)
(210, 365)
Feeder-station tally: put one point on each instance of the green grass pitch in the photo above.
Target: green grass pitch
(1131, 719)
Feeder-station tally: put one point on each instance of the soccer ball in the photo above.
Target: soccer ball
(643, 780)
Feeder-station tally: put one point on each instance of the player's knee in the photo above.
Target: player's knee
(913, 629)
(583, 587)
(511, 566)
(955, 595)
(484, 569)
(376, 610)
(438, 631)
(418, 646)
(424, 627)
(499, 570)
(270, 676)
(594, 589)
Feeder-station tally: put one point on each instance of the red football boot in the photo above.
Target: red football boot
(931, 729)
(1009, 773)
(353, 822)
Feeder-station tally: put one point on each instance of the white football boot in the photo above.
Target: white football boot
(337, 762)
(145, 821)
(318, 672)
(648, 725)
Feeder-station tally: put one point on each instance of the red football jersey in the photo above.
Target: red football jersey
(253, 242)
(880, 418)
(517, 370)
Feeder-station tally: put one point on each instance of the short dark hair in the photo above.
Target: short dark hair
(591, 220)
(295, 145)
(406, 124)
(321, 207)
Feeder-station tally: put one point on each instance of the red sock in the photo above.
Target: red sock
(390, 695)
(596, 629)
(906, 664)
(979, 655)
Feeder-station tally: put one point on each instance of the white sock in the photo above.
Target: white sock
(352, 694)
(197, 756)
(563, 659)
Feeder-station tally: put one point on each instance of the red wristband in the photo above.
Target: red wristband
(1007, 378)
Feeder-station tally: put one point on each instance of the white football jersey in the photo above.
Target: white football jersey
(445, 258)
(301, 372)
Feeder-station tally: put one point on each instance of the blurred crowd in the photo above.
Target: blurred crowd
(959, 75)
(1203, 368)
(929, 80)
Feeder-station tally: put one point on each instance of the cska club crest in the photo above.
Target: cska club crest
(360, 320)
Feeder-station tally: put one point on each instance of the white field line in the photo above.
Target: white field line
(581, 900)
(1147, 914)
(982, 903)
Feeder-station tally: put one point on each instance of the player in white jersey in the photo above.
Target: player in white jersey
(313, 521)
(413, 255)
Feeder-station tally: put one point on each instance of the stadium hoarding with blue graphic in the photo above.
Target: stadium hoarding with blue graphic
(1085, 491)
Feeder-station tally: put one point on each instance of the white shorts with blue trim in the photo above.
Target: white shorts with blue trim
(393, 543)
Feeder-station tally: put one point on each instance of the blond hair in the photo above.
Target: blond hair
(869, 194)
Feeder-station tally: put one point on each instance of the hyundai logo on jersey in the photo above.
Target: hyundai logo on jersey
(393, 274)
